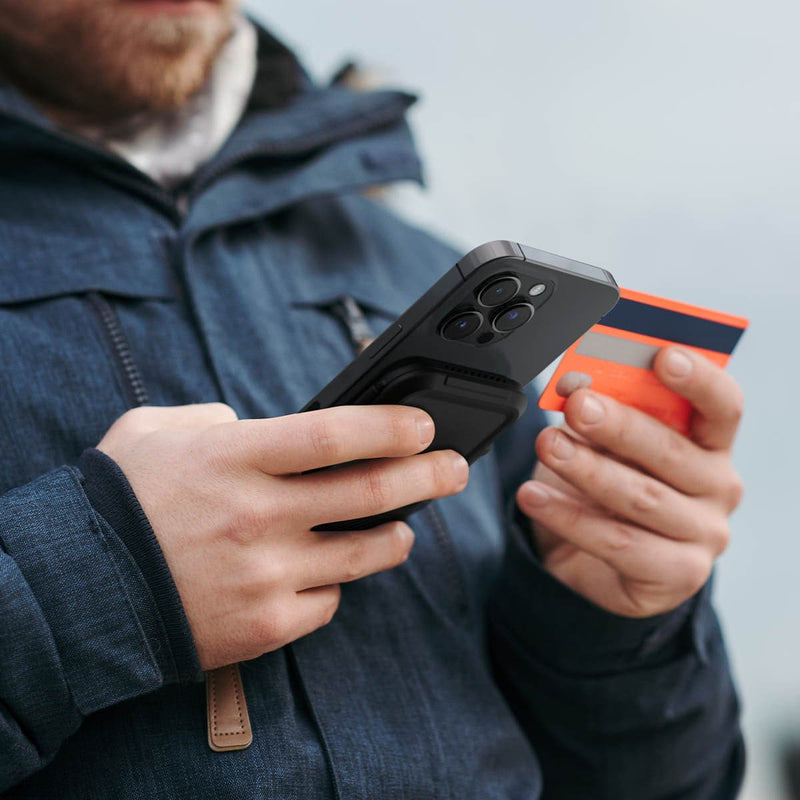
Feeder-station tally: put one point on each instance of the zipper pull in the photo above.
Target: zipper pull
(352, 317)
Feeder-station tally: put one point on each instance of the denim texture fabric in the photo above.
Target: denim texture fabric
(467, 672)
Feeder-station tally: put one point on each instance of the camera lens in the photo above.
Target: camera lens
(463, 325)
(513, 317)
(499, 291)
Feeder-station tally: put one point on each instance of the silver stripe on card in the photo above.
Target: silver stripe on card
(614, 348)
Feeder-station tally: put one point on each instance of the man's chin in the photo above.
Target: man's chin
(160, 61)
(101, 60)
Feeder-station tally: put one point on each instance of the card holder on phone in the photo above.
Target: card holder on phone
(470, 410)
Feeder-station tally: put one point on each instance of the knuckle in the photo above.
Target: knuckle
(330, 608)
(672, 452)
(625, 431)
(323, 439)
(565, 517)
(274, 575)
(648, 497)
(440, 474)
(719, 536)
(735, 403)
(245, 523)
(136, 421)
(622, 537)
(375, 488)
(267, 631)
(216, 453)
(400, 429)
(735, 491)
(222, 412)
(353, 567)
(694, 574)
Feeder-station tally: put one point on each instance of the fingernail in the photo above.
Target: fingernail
(425, 428)
(678, 364)
(563, 447)
(534, 494)
(570, 382)
(592, 410)
(460, 467)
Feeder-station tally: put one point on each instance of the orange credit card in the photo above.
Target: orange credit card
(618, 352)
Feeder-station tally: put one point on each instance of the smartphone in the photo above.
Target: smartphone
(464, 351)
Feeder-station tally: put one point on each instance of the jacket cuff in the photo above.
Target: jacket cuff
(571, 634)
(113, 498)
(85, 585)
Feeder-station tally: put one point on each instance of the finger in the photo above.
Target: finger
(631, 494)
(571, 381)
(315, 439)
(315, 608)
(640, 439)
(362, 490)
(300, 614)
(716, 397)
(634, 552)
(349, 556)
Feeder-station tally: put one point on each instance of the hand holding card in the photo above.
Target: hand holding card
(617, 353)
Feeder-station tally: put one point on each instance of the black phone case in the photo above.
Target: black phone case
(473, 387)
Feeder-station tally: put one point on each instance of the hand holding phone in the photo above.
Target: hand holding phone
(464, 351)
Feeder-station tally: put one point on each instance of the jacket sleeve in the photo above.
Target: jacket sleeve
(89, 615)
(629, 709)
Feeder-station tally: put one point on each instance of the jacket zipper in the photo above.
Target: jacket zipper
(132, 380)
(351, 315)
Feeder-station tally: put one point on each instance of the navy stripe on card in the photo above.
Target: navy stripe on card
(647, 320)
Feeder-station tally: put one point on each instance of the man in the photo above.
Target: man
(184, 229)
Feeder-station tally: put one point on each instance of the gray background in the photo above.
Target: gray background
(656, 138)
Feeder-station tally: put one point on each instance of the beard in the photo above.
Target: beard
(104, 60)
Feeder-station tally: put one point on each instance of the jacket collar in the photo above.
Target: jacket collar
(289, 119)
(321, 141)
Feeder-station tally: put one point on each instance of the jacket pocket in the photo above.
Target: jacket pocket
(67, 370)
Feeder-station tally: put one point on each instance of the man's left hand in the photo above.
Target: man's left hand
(628, 512)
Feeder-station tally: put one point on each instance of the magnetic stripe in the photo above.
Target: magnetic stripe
(662, 323)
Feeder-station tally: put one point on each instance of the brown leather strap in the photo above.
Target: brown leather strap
(228, 720)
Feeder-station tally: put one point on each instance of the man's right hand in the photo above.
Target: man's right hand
(232, 503)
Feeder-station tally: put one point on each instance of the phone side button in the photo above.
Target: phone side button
(379, 345)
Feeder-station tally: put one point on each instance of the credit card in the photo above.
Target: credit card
(618, 352)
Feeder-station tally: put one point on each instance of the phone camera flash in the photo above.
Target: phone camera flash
(536, 289)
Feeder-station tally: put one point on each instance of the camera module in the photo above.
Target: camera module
(462, 325)
(513, 318)
(499, 291)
